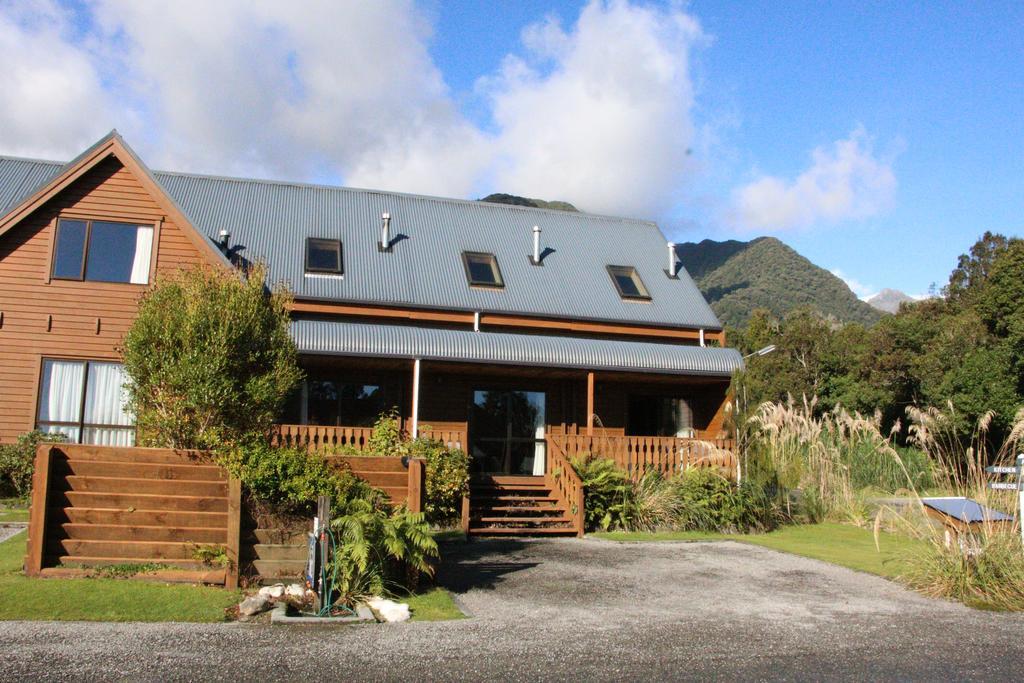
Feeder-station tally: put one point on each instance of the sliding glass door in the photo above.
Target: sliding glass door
(507, 432)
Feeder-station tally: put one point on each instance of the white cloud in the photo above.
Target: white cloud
(845, 181)
(598, 114)
(54, 103)
(863, 292)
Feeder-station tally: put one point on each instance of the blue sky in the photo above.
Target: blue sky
(878, 139)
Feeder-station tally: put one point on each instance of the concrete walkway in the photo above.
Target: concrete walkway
(575, 610)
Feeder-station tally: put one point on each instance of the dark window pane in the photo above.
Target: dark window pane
(627, 286)
(322, 406)
(482, 269)
(627, 282)
(323, 256)
(67, 257)
(112, 253)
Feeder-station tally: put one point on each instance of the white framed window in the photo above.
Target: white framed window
(85, 401)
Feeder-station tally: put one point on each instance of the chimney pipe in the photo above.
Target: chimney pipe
(671, 260)
(385, 231)
(225, 238)
(536, 245)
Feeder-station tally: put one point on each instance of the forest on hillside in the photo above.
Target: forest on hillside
(962, 352)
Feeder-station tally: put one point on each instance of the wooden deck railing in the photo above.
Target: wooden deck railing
(325, 437)
(640, 454)
(565, 483)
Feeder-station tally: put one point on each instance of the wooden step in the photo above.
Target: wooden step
(140, 501)
(213, 577)
(523, 520)
(360, 463)
(88, 561)
(522, 508)
(107, 468)
(133, 455)
(155, 551)
(267, 551)
(510, 480)
(169, 487)
(275, 536)
(541, 499)
(272, 569)
(123, 532)
(86, 515)
(512, 531)
(510, 487)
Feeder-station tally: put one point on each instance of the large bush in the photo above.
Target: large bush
(17, 462)
(210, 359)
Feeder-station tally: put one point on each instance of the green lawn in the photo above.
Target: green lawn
(26, 599)
(839, 544)
(435, 604)
(8, 515)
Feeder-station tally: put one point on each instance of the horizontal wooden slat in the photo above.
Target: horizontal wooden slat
(169, 487)
(132, 532)
(290, 552)
(132, 455)
(147, 550)
(384, 480)
(84, 515)
(138, 500)
(99, 468)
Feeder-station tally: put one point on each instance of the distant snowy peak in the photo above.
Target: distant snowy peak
(888, 300)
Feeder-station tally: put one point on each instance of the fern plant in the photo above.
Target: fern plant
(375, 551)
(608, 492)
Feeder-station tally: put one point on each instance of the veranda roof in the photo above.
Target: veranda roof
(393, 341)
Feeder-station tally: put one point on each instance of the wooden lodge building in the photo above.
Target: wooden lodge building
(521, 335)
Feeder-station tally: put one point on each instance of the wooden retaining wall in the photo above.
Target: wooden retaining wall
(102, 505)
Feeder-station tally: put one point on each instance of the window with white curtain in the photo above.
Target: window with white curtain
(102, 251)
(85, 401)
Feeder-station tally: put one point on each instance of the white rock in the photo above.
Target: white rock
(388, 610)
(254, 604)
(295, 591)
(276, 591)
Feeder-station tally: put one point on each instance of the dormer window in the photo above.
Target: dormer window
(102, 251)
(628, 283)
(482, 269)
(324, 257)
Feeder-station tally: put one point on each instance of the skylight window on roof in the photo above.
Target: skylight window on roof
(324, 256)
(482, 269)
(628, 283)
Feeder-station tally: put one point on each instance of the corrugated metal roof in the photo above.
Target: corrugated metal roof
(270, 221)
(401, 341)
(966, 510)
(19, 178)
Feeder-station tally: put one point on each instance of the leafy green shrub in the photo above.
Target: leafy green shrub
(447, 479)
(17, 462)
(710, 502)
(608, 493)
(290, 479)
(375, 553)
(210, 359)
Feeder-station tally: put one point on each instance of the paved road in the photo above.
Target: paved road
(575, 610)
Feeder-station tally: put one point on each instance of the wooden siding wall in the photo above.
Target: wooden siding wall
(64, 318)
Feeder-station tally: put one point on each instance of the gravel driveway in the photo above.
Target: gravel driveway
(575, 610)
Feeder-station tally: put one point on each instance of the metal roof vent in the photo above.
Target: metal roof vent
(535, 256)
(225, 239)
(672, 271)
(385, 232)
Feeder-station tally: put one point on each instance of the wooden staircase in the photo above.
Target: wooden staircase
(517, 506)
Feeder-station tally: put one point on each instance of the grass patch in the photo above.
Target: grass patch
(846, 546)
(13, 515)
(434, 605)
(27, 599)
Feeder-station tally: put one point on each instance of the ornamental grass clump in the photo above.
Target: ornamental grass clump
(984, 566)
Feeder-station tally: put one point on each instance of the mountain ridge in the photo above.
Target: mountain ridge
(736, 277)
